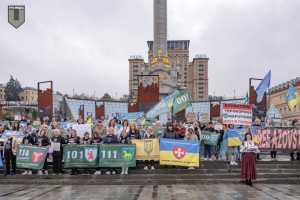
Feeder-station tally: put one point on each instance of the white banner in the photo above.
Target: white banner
(82, 128)
(237, 114)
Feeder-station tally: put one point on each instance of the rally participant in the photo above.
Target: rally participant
(207, 147)
(16, 126)
(248, 149)
(111, 138)
(99, 127)
(9, 153)
(86, 140)
(190, 135)
(231, 150)
(197, 131)
(43, 140)
(73, 140)
(30, 129)
(257, 122)
(141, 129)
(149, 135)
(27, 140)
(133, 134)
(273, 150)
(125, 126)
(170, 133)
(96, 140)
(112, 124)
(180, 129)
(124, 139)
(56, 142)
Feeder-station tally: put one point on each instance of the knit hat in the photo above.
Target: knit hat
(191, 127)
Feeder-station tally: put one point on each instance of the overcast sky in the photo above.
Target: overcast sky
(85, 45)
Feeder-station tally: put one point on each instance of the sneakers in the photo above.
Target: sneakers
(191, 168)
(29, 172)
(46, 172)
(152, 168)
(98, 172)
(123, 172)
(113, 172)
(146, 168)
(213, 158)
(205, 159)
(210, 159)
(25, 172)
(235, 163)
(40, 172)
(231, 163)
(107, 173)
(126, 170)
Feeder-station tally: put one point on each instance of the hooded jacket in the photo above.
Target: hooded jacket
(170, 134)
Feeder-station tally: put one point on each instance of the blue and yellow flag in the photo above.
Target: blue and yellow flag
(237, 136)
(179, 152)
(262, 87)
(292, 97)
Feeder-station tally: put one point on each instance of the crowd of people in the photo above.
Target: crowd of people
(49, 134)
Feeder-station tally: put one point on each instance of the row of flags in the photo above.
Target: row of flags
(174, 103)
(292, 97)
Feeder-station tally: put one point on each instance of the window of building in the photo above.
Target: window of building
(280, 99)
(280, 110)
(284, 110)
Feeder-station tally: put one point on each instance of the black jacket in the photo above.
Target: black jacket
(43, 140)
(28, 140)
(134, 135)
(74, 140)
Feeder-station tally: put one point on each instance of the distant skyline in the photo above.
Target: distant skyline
(85, 46)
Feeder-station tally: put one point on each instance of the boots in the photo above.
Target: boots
(126, 170)
(298, 157)
(72, 171)
(123, 170)
(292, 156)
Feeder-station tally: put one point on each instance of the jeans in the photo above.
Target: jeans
(207, 151)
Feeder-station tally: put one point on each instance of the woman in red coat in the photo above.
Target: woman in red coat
(248, 150)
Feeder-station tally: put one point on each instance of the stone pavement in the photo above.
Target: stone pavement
(147, 192)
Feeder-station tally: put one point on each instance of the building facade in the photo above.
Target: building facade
(168, 63)
(276, 96)
(29, 94)
(2, 93)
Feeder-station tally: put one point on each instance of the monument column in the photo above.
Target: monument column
(160, 28)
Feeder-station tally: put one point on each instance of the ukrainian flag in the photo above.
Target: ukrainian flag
(179, 152)
(292, 97)
(235, 137)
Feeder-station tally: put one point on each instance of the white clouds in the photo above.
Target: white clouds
(86, 45)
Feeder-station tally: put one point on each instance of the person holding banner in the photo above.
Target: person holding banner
(9, 153)
(124, 139)
(86, 140)
(248, 150)
(197, 131)
(96, 140)
(111, 139)
(170, 133)
(27, 140)
(207, 147)
(43, 140)
(56, 142)
(149, 135)
(294, 123)
(232, 149)
(73, 140)
(190, 135)
(133, 134)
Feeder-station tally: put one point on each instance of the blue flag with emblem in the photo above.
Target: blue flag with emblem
(262, 87)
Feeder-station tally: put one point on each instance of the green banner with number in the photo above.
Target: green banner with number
(210, 138)
(80, 156)
(31, 157)
(117, 155)
(181, 101)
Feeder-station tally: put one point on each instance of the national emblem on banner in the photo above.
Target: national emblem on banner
(148, 146)
(128, 153)
(90, 153)
(179, 152)
(37, 155)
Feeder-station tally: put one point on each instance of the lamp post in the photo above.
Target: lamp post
(233, 94)
(73, 93)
